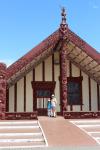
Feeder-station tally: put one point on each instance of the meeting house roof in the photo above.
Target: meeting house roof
(79, 52)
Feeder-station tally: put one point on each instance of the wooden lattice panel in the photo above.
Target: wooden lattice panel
(82, 56)
(92, 65)
(71, 55)
(97, 68)
(97, 75)
(87, 67)
(70, 46)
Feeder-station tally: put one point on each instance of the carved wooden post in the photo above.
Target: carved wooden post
(2, 90)
(64, 78)
(64, 35)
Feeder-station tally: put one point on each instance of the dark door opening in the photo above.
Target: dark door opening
(42, 106)
(42, 90)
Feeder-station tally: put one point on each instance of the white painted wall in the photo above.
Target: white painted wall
(20, 95)
(48, 69)
(57, 90)
(56, 77)
(75, 71)
(85, 92)
(76, 108)
(68, 107)
(38, 73)
(94, 105)
(29, 93)
(11, 99)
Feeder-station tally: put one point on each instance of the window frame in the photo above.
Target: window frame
(79, 81)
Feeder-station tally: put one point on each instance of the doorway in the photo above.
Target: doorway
(42, 106)
(42, 90)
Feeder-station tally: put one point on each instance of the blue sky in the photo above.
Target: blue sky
(25, 23)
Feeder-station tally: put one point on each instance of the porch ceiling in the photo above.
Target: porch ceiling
(83, 61)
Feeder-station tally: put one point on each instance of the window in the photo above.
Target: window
(43, 93)
(74, 90)
(43, 89)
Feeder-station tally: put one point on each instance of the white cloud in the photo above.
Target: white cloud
(93, 4)
(95, 7)
(7, 62)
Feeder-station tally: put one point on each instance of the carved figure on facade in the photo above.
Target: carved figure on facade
(63, 26)
(64, 35)
(2, 90)
(64, 78)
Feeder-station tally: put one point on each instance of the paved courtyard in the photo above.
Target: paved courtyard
(66, 132)
(90, 127)
(50, 133)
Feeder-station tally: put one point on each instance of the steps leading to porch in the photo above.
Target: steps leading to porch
(21, 134)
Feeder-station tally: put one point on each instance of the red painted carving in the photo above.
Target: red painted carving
(36, 85)
(81, 115)
(21, 115)
(64, 78)
(2, 90)
(64, 35)
(63, 26)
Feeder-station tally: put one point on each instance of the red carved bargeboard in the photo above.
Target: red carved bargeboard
(21, 115)
(80, 115)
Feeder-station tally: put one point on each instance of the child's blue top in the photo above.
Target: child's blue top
(49, 105)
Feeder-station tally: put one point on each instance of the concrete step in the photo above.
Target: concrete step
(9, 145)
(21, 134)
(34, 130)
(41, 139)
(19, 127)
(19, 123)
